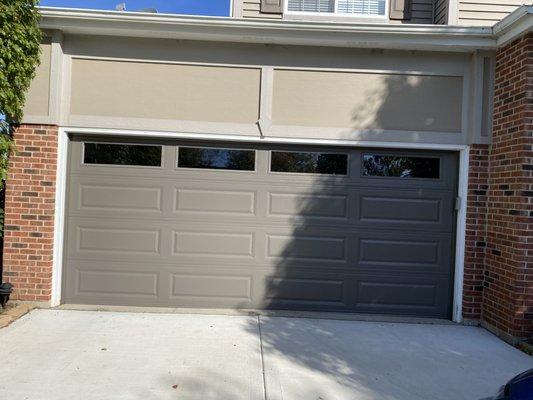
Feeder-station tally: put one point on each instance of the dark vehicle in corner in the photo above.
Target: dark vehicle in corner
(518, 388)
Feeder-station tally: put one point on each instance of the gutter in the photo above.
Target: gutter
(514, 25)
(229, 29)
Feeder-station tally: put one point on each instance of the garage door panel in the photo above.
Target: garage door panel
(192, 287)
(131, 198)
(306, 247)
(378, 251)
(117, 240)
(126, 241)
(219, 202)
(100, 281)
(306, 293)
(208, 243)
(308, 205)
(192, 237)
(120, 198)
(393, 209)
(397, 252)
(117, 283)
(402, 295)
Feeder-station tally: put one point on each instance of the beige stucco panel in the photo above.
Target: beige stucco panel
(38, 96)
(165, 91)
(367, 100)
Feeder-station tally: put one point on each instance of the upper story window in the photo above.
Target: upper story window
(366, 8)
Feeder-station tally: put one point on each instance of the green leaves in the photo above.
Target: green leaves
(20, 39)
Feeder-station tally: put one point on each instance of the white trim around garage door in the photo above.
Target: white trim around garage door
(62, 171)
(59, 217)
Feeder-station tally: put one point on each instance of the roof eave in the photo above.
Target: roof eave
(383, 36)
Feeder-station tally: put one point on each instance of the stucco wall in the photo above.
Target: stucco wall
(295, 91)
(37, 98)
(367, 100)
(165, 91)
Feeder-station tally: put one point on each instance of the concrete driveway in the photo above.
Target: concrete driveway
(62, 354)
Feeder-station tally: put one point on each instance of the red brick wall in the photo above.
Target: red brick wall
(475, 244)
(508, 292)
(29, 213)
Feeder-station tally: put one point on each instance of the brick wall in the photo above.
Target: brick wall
(29, 213)
(475, 244)
(508, 292)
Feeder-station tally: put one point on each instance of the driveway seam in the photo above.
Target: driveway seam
(263, 372)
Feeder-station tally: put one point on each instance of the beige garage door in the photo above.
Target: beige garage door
(189, 224)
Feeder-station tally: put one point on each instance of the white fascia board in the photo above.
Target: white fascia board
(226, 29)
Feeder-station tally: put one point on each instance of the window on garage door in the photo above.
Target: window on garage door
(122, 154)
(216, 158)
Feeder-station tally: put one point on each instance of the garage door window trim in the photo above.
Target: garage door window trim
(86, 163)
(215, 169)
(343, 175)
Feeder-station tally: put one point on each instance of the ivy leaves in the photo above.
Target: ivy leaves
(20, 39)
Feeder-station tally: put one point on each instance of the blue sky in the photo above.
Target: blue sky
(194, 7)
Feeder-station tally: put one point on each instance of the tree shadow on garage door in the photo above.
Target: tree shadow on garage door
(315, 267)
(366, 230)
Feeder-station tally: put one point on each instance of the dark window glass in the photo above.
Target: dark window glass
(122, 154)
(401, 167)
(203, 157)
(309, 163)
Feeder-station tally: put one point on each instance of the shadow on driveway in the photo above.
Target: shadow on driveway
(326, 359)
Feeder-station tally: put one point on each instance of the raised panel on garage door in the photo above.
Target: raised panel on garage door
(225, 225)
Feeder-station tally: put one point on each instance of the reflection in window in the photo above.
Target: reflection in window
(309, 163)
(211, 158)
(122, 154)
(400, 166)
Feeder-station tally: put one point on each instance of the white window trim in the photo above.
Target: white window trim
(337, 14)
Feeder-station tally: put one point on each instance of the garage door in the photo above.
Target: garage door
(188, 224)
